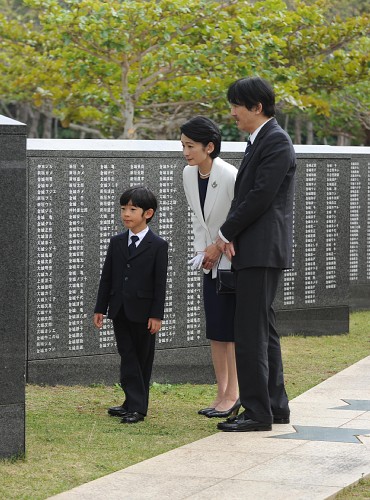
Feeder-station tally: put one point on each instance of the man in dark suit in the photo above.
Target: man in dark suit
(257, 236)
(133, 286)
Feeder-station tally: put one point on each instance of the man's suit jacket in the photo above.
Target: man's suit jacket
(220, 192)
(261, 215)
(137, 282)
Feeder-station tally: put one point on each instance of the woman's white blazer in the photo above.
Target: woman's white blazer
(220, 192)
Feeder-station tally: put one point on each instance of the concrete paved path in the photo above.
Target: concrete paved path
(325, 448)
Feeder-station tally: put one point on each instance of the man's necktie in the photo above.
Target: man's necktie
(132, 245)
(249, 144)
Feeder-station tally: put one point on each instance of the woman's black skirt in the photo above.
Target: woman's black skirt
(219, 310)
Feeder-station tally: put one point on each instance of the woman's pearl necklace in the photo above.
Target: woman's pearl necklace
(204, 176)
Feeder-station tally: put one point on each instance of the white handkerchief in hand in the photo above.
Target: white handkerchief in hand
(196, 262)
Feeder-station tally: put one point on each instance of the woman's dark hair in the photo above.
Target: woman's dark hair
(249, 92)
(140, 196)
(203, 130)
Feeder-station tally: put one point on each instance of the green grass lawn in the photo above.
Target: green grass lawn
(70, 439)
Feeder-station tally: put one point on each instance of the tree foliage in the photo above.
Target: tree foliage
(128, 68)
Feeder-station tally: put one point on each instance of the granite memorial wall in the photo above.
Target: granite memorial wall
(359, 236)
(73, 192)
(13, 286)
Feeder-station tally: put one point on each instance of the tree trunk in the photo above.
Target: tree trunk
(309, 132)
(47, 111)
(343, 140)
(23, 111)
(367, 136)
(286, 122)
(129, 131)
(33, 130)
(297, 130)
(48, 127)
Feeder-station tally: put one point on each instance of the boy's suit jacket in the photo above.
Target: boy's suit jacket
(220, 192)
(261, 214)
(137, 282)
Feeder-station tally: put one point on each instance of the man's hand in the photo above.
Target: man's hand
(230, 250)
(98, 320)
(226, 248)
(154, 325)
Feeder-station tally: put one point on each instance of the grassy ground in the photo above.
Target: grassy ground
(71, 440)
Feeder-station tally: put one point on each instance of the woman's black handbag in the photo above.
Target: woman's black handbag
(225, 281)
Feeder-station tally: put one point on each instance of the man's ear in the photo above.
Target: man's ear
(258, 108)
(148, 214)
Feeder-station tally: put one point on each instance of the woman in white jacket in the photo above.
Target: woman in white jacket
(209, 188)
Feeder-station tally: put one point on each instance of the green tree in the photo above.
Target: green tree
(342, 8)
(126, 68)
(129, 64)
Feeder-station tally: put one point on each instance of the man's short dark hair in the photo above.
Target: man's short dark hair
(203, 130)
(249, 92)
(140, 196)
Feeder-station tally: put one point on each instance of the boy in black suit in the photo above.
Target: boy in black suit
(133, 288)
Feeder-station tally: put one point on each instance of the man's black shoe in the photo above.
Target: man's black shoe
(117, 411)
(132, 418)
(281, 420)
(243, 423)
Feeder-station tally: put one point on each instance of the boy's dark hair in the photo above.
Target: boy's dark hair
(249, 92)
(203, 130)
(140, 196)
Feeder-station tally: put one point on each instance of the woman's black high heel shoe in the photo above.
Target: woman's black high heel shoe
(205, 411)
(233, 411)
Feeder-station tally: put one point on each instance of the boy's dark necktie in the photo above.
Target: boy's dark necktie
(132, 245)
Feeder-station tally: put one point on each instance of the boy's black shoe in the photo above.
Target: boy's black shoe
(132, 418)
(117, 411)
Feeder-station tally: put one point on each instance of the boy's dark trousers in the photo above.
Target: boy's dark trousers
(135, 346)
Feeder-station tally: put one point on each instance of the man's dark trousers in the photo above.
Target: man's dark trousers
(257, 345)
